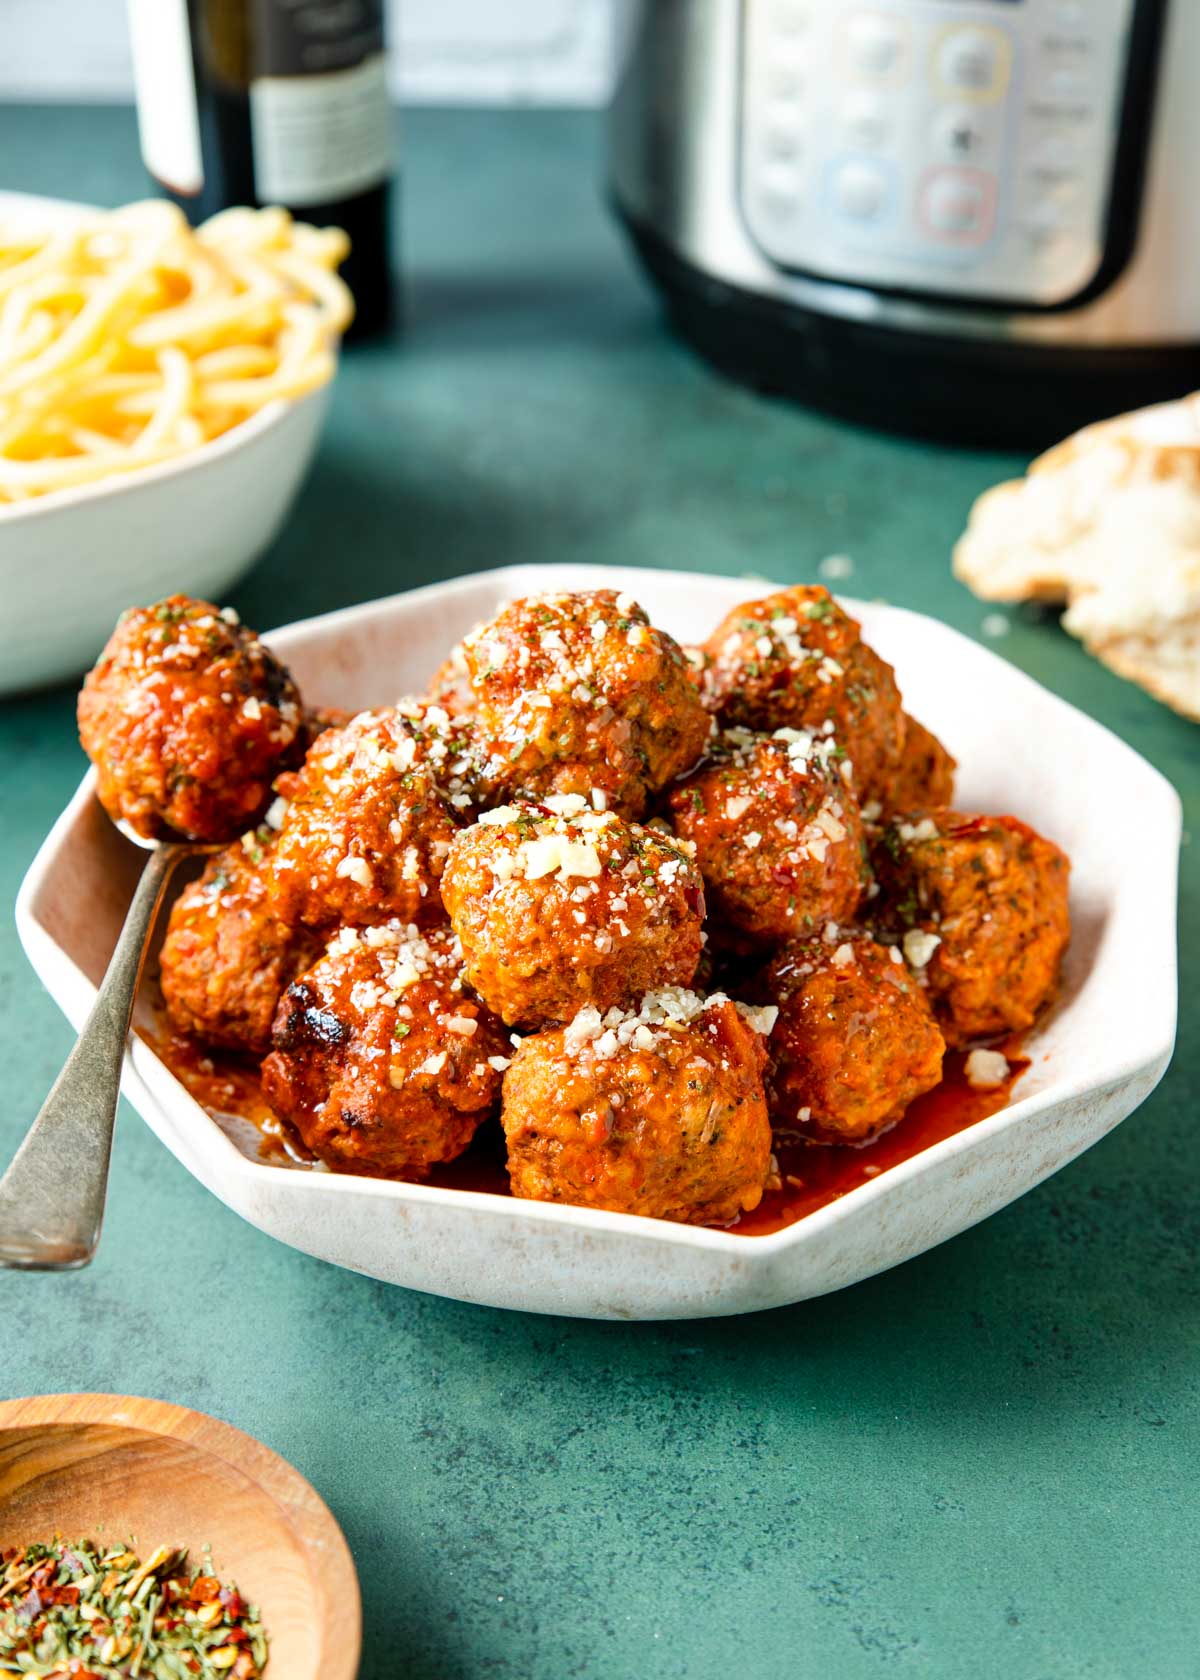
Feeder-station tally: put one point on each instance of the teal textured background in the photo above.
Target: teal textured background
(983, 1463)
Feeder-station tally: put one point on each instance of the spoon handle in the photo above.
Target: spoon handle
(52, 1196)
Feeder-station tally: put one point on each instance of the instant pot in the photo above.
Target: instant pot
(973, 218)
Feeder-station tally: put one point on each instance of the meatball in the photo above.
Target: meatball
(777, 832)
(983, 902)
(382, 1062)
(317, 719)
(188, 718)
(854, 1042)
(370, 820)
(450, 685)
(660, 1112)
(795, 659)
(924, 778)
(579, 691)
(558, 906)
(226, 958)
(699, 667)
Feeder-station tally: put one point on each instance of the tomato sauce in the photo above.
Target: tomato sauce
(812, 1175)
(225, 1083)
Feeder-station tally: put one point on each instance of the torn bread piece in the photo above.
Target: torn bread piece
(1108, 522)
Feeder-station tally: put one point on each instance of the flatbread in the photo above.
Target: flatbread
(1109, 523)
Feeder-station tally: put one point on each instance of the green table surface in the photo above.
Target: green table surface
(982, 1463)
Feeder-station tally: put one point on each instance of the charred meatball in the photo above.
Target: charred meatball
(854, 1043)
(579, 691)
(924, 779)
(777, 832)
(658, 1112)
(383, 1063)
(188, 718)
(370, 820)
(982, 903)
(226, 957)
(795, 659)
(558, 906)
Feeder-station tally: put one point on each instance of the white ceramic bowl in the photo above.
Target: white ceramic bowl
(1093, 1060)
(72, 560)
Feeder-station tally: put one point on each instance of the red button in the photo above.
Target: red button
(957, 206)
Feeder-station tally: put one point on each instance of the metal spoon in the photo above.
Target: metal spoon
(52, 1196)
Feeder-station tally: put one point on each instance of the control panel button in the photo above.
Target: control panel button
(1056, 206)
(875, 45)
(782, 142)
(1070, 86)
(1047, 224)
(1065, 185)
(1065, 47)
(780, 190)
(790, 17)
(958, 204)
(954, 206)
(1077, 116)
(960, 134)
(860, 191)
(865, 124)
(974, 63)
(1044, 217)
(785, 84)
(1056, 154)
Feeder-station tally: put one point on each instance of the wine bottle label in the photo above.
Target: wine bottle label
(168, 125)
(318, 138)
(319, 117)
(314, 37)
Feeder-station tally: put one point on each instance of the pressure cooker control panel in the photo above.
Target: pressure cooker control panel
(960, 147)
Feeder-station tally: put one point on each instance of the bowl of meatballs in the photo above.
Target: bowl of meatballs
(612, 943)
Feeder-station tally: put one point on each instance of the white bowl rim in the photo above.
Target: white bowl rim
(37, 944)
(117, 483)
(71, 495)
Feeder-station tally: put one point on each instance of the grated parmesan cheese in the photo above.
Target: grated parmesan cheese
(926, 829)
(761, 1018)
(356, 869)
(985, 1069)
(920, 946)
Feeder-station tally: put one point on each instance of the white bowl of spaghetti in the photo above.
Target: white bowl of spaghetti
(162, 391)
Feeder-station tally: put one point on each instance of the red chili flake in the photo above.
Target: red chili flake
(233, 1602)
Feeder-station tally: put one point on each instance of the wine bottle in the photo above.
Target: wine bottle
(273, 102)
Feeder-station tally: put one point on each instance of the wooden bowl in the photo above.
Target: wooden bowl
(107, 1467)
